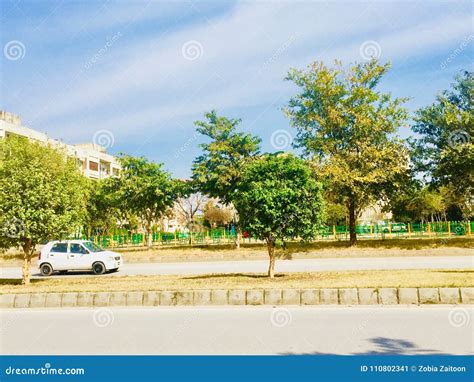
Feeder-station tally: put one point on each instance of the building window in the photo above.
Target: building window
(94, 166)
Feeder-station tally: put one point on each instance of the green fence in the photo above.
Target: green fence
(122, 238)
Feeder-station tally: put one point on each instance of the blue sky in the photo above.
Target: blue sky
(136, 74)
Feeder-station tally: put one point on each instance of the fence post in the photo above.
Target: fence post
(429, 229)
(469, 228)
(175, 243)
(449, 228)
(334, 232)
(409, 230)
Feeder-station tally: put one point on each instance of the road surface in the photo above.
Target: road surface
(260, 266)
(239, 330)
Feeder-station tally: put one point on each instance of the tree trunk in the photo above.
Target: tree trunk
(352, 223)
(149, 237)
(28, 249)
(238, 237)
(271, 254)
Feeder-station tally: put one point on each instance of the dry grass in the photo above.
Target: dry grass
(345, 279)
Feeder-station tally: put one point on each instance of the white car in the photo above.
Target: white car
(77, 255)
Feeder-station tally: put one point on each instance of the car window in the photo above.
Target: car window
(77, 248)
(92, 246)
(59, 247)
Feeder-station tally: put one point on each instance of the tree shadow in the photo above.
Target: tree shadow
(386, 346)
(392, 346)
(226, 275)
(17, 281)
(455, 271)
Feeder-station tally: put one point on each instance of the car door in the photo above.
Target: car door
(80, 256)
(58, 256)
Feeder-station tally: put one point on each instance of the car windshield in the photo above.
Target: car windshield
(92, 246)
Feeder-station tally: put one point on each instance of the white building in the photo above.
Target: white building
(93, 160)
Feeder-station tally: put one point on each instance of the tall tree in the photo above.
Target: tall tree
(348, 130)
(278, 198)
(103, 212)
(218, 169)
(41, 196)
(444, 151)
(146, 190)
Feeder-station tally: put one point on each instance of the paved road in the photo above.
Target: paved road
(298, 265)
(239, 330)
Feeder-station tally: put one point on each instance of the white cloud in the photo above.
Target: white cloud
(246, 54)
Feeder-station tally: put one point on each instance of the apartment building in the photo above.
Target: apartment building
(92, 159)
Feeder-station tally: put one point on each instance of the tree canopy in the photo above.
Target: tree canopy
(444, 152)
(42, 196)
(278, 198)
(348, 128)
(145, 189)
(217, 171)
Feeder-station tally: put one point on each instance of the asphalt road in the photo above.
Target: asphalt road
(239, 330)
(297, 265)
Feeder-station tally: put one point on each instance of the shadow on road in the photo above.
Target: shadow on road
(386, 346)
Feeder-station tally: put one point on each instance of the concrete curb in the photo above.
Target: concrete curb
(329, 296)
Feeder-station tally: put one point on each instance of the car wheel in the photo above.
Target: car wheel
(46, 270)
(98, 268)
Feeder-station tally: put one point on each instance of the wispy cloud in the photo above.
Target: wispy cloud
(141, 82)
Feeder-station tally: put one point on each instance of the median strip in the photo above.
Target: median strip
(326, 296)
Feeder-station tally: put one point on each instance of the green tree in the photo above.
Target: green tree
(444, 151)
(347, 128)
(103, 212)
(335, 213)
(145, 190)
(218, 169)
(42, 196)
(278, 198)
